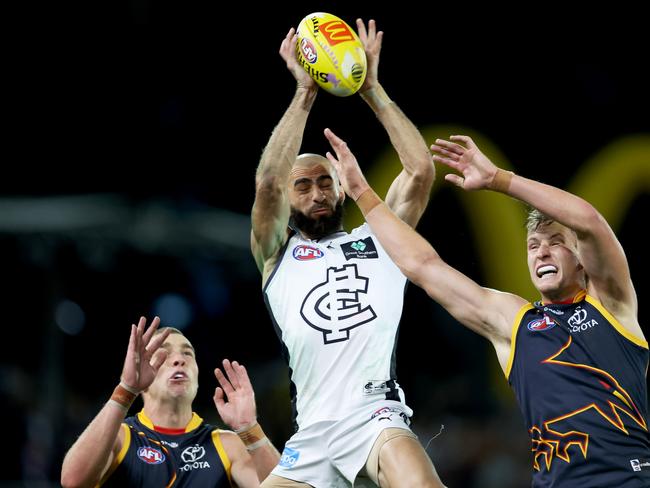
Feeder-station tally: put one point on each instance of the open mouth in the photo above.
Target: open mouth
(178, 376)
(546, 270)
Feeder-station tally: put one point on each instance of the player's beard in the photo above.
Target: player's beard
(321, 227)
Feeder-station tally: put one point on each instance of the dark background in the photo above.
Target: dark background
(132, 134)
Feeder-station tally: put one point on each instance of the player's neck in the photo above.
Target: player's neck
(563, 297)
(174, 414)
(318, 237)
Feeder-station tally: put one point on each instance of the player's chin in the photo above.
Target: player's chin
(547, 286)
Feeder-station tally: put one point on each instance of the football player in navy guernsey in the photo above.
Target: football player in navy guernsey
(335, 299)
(166, 444)
(576, 359)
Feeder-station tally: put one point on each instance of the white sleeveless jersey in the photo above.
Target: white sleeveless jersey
(336, 304)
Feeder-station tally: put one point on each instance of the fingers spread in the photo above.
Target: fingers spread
(156, 342)
(242, 376)
(151, 330)
(232, 376)
(223, 381)
(451, 146)
(337, 143)
(361, 27)
(218, 397)
(452, 163)
(158, 359)
(441, 150)
(464, 139)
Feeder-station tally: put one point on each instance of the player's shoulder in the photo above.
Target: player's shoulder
(362, 229)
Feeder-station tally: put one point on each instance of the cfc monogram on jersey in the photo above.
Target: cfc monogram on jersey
(336, 303)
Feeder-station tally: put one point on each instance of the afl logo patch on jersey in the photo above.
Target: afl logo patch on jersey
(306, 253)
(541, 325)
(150, 455)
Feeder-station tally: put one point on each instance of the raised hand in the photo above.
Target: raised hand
(288, 53)
(476, 169)
(235, 398)
(346, 165)
(371, 40)
(139, 369)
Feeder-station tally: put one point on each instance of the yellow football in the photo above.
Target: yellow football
(332, 53)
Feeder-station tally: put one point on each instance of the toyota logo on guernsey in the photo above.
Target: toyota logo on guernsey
(306, 253)
(192, 453)
(541, 325)
(150, 455)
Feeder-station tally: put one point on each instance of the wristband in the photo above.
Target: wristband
(501, 181)
(367, 201)
(123, 396)
(252, 436)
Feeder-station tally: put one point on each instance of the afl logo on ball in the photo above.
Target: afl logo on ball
(308, 50)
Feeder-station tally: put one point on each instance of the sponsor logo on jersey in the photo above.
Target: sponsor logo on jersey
(192, 456)
(151, 455)
(375, 386)
(639, 464)
(306, 253)
(578, 322)
(555, 311)
(386, 413)
(541, 325)
(289, 457)
(192, 453)
(361, 249)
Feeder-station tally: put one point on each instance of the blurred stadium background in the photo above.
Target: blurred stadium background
(133, 132)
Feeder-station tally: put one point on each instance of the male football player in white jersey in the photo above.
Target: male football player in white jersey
(336, 299)
(576, 359)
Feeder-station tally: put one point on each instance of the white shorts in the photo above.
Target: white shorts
(330, 454)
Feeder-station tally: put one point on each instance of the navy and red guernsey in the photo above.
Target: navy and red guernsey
(580, 379)
(165, 458)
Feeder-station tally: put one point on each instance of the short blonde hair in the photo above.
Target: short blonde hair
(536, 219)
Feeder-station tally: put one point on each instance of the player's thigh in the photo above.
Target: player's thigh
(403, 462)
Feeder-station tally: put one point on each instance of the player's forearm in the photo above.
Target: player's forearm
(562, 206)
(264, 455)
(283, 146)
(404, 136)
(421, 264)
(85, 461)
(408, 249)
(265, 458)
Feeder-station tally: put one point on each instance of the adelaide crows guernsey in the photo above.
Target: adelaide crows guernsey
(580, 379)
(336, 304)
(150, 458)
